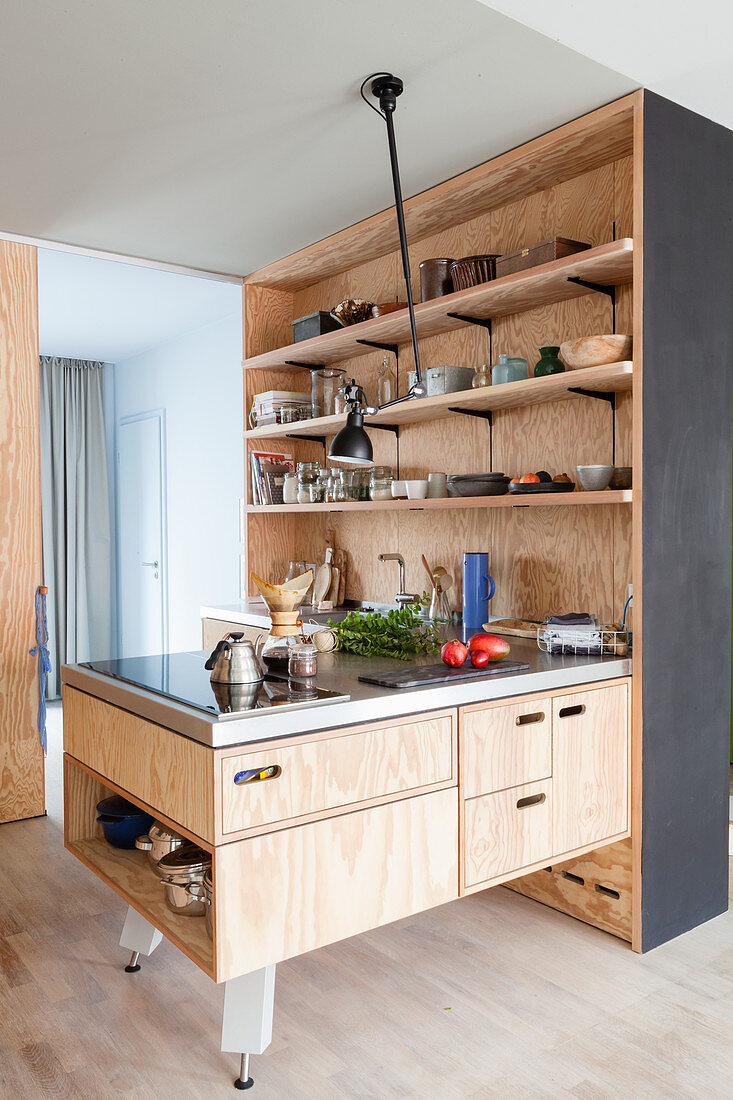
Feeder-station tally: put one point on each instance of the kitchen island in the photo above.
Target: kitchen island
(361, 811)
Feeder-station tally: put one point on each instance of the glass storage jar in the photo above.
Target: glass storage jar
(325, 382)
(508, 369)
(307, 476)
(380, 483)
(303, 661)
(290, 489)
(361, 481)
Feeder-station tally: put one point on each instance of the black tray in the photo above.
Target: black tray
(542, 487)
(424, 675)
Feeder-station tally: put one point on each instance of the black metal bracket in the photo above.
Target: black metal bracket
(488, 415)
(393, 348)
(600, 395)
(310, 438)
(610, 291)
(394, 428)
(483, 322)
(305, 366)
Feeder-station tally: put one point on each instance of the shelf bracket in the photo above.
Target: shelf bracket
(488, 415)
(610, 291)
(483, 322)
(394, 428)
(392, 348)
(600, 395)
(309, 438)
(304, 366)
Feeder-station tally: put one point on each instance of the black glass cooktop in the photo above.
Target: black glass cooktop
(182, 677)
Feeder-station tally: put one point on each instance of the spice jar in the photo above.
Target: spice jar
(307, 475)
(303, 661)
(380, 483)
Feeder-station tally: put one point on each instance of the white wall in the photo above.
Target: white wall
(197, 379)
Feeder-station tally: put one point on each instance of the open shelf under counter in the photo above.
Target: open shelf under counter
(606, 265)
(509, 500)
(611, 378)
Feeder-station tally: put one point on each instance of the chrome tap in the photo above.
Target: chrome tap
(402, 598)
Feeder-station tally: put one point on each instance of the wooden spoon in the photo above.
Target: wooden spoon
(429, 571)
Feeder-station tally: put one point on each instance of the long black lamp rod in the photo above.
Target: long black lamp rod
(386, 88)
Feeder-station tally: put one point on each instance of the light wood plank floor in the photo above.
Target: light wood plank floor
(491, 996)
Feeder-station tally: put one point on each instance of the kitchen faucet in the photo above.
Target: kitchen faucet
(402, 598)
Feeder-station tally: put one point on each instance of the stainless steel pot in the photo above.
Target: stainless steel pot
(184, 867)
(204, 892)
(159, 841)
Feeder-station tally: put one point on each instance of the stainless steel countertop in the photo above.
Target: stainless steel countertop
(367, 703)
(254, 613)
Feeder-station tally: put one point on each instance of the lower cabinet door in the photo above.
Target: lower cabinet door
(288, 892)
(506, 831)
(590, 766)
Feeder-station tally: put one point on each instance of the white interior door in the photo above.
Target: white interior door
(142, 572)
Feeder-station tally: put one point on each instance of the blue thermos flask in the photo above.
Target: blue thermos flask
(478, 588)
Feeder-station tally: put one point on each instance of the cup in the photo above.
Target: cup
(399, 490)
(417, 489)
(437, 485)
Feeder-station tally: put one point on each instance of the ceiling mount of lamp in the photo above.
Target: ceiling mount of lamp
(352, 444)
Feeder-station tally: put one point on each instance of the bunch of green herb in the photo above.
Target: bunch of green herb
(400, 633)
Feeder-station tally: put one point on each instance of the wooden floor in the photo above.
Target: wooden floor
(491, 996)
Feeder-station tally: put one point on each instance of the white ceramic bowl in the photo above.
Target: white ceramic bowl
(417, 490)
(399, 490)
(594, 478)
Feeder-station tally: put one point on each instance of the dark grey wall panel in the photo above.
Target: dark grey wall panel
(688, 405)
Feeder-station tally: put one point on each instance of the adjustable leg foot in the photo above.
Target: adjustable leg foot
(133, 966)
(244, 1081)
(138, 936)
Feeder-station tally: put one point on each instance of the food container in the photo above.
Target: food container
(621, 477)
(473, 270)
(204, 892)
(448, 379)
(435, 278)
(121, 821)
(303, 661)
(380, 483)
(553, 249)
(179, 870)
(325, 384)
(159, 841)
(308, 475)
(313, 324)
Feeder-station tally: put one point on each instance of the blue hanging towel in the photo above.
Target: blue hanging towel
(44, 661)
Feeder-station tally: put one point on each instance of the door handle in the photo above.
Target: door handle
(151, 564)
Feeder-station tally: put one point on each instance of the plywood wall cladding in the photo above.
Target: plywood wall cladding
(21, 756)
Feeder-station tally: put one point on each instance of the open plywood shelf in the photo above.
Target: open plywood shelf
(606, 265)
(509, 500)
(612, 378)
(130, 875)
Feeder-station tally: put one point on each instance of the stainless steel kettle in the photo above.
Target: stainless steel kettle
(234, 661)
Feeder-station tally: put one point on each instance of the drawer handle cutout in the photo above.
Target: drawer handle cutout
(572, 712)
(526, 719)
(257, 775)
(573, 878)
(607, 891)
(531, 800)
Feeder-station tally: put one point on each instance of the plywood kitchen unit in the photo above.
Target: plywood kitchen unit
(592, 180)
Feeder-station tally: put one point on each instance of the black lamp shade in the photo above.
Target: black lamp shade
(352, 444)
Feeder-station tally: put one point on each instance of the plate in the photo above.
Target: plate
(543, 487)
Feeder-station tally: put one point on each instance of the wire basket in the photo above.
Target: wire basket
(602, 641)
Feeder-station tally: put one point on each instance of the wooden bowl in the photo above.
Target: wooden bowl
(384, 308)
(596, 351)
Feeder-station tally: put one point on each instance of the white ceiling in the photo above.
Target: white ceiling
(224, 135)
(105, 310)
(681, 50)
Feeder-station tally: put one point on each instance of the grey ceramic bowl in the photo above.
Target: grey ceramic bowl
(621, 477)
(594, 478)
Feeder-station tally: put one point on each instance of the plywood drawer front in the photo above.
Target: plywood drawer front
(507, 831)
(334, 772)
(590, 768)
(505, 746)
(168, 772)
(286, 892)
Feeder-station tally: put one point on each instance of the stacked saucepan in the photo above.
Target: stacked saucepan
(184, 870)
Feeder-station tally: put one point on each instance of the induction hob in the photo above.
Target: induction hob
(183, 678)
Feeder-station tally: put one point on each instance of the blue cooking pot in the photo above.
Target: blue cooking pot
(121, 821)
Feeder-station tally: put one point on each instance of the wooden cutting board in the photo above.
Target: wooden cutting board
(517, 628)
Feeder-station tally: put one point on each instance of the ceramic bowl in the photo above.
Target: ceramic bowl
(417, 490)
(399, 490)
(621, 477)
(352, 311)
(594, 478)
(596, 351)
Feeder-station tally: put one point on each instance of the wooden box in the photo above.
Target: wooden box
(553, 249)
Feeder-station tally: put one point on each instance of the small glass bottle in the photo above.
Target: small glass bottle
(385, 384)
(339, 401)
(380, 483)
(548, 363)
(481, 377)
(508, 369)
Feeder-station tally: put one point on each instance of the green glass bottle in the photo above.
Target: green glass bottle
(548, 363)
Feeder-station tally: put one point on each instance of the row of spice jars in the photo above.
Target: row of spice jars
(314, 484)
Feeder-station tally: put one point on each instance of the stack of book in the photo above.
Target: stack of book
(280, 407)
(268, 475)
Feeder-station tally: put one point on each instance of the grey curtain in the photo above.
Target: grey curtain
(77, 537)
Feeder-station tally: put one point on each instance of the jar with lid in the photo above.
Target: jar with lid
(481, 377)
(508, 369)
(303, 661)
(548, 363)
(307, 476)
(380, 483)
(325, 382)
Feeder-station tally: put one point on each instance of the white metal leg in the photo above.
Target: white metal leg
(246, 1026)
(139, 936)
